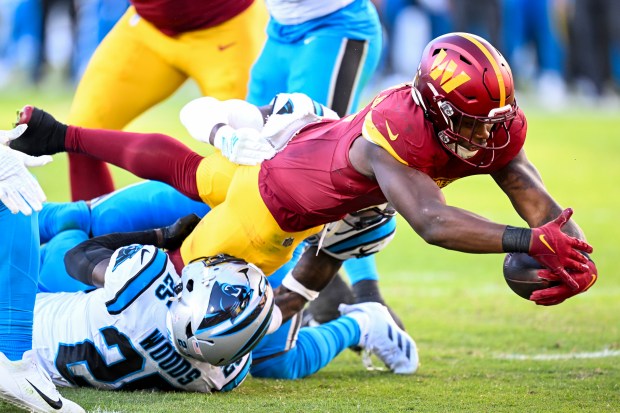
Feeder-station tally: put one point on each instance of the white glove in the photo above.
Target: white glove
(19, 190)
(201, 115)
(291, 112)
(243, 146)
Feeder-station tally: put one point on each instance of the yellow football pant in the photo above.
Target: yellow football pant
(136, 66)
(239, 223)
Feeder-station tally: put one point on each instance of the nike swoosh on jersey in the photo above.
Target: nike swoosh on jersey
(225, 46)
(392, 136)
(142, 255)
(54, 404)
(542, 239)
(366, 251)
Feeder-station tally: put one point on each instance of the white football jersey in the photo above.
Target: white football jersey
(300, 11)
(116, 338)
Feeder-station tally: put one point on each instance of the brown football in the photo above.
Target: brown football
(521, 274)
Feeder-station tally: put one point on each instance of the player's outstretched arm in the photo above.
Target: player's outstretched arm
(311, 274)
(524, 187)
(421, 203)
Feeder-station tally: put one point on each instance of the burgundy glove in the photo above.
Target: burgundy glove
(558, 251)
(555, 295)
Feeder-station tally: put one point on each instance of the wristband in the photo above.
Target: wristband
(516, 239)
(292, 284)
(276, 319)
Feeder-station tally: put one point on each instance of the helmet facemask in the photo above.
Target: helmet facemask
(458, 136)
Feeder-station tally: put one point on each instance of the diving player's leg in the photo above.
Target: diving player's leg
(240, 224)
(149, 156)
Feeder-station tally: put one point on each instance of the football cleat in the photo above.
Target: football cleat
(24, 384)
(380, 335)
(44, 135)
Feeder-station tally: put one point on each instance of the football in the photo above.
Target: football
(521, 275)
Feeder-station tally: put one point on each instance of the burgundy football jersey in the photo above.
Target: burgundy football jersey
(312, 182)
(173, 17)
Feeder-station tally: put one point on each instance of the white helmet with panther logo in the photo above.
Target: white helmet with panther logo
(222, 310)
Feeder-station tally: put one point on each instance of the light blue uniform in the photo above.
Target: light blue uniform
(330, 57)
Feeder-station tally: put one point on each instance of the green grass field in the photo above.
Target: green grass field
(482, 348)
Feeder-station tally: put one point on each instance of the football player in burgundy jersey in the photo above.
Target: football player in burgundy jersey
(151, 51)
(458, 118)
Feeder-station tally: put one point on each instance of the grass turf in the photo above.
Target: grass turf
(482, 348)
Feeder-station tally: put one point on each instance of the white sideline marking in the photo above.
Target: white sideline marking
(545, 357)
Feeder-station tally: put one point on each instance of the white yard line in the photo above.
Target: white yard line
(569, 356)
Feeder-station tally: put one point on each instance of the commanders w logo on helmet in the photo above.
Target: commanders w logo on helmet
(463, 84)
(446, 68)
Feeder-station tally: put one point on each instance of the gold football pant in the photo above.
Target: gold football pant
(239, 223)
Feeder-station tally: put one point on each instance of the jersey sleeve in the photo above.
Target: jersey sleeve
(131, 271)
(393, 123)
(378, 130)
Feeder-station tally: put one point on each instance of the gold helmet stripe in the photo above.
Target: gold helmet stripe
(498, 73)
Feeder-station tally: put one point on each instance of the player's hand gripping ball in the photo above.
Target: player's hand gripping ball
(521, 275)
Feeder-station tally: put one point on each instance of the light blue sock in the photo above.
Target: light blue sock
(19, 271)
(315, 347)
(359, 269)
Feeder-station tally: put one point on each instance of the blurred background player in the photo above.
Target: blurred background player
(151, 51)
(22, 382)
(328, 50)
